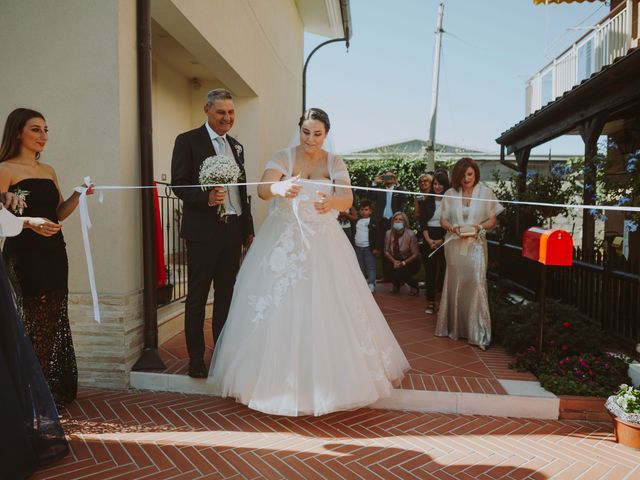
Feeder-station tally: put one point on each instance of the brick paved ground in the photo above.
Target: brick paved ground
(437, 364)
(134, 435)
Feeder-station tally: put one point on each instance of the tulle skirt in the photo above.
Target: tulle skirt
(304, 334)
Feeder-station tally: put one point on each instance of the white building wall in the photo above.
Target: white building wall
(75, 61)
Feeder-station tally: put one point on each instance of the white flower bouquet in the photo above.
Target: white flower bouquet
(22, 195)
(218, 170)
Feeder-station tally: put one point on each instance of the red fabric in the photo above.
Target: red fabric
(161, 272)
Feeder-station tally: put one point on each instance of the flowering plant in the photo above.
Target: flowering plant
(22, 195)
(218, 170)
(625, 404)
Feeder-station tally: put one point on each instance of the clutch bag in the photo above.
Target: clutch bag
(467, 231)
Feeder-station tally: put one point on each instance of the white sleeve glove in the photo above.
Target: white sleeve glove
(281, 188)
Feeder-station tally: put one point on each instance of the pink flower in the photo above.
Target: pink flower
(565, 348)
(566, 324)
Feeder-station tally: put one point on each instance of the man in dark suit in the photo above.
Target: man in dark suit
(386, 204)
(214, 242)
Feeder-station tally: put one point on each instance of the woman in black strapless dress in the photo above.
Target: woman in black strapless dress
(36, 259)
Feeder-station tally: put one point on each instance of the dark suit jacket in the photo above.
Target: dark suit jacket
(379, 200)
(200, 222)
(427, 209)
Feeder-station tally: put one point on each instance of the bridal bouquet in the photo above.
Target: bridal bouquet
(218, 169)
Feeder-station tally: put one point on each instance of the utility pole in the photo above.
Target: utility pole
(431, 143)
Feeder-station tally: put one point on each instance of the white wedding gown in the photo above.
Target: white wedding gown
(304, 334)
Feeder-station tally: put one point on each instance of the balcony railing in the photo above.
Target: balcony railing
(605, 287)
(610, 39)
(175, 250)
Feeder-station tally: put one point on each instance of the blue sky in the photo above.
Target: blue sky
(380, 91)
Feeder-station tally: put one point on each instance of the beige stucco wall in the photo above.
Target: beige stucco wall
(171, 114)
(252, 47)
(84, 90)
(75, 60)
(82, 76)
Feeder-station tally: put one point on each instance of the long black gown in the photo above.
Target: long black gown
(30, 432)
(39, 270)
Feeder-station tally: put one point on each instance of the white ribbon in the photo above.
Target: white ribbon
(85, 221)
(617, 208)
(85, 224)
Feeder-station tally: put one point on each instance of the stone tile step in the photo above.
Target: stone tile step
(521, 401)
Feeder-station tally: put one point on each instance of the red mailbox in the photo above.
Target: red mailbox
(549, 247)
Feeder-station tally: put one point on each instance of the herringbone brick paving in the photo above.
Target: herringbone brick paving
(136, 435)
(437, 364)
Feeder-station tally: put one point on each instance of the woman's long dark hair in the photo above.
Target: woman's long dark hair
(13, 126)
(442, 178)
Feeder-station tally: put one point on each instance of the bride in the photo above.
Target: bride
(304, 335)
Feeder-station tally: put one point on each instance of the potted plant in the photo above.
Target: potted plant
(624, 408)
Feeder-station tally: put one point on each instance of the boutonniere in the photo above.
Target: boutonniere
(238, 148)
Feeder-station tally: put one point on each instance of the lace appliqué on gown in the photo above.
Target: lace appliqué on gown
(286, 266)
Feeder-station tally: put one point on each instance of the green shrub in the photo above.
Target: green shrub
(565, 327)
(573, 359)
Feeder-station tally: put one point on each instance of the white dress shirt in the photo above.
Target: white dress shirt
(232, 202)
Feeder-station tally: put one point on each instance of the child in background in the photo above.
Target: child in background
(365, 236)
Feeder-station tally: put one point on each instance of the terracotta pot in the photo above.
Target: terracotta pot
(626, 433)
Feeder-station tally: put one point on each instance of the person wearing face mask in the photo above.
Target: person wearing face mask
(469, 209)
(385, 203)
(401, 254)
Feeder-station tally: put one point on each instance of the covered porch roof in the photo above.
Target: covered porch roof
(611, 93)
(607, 103)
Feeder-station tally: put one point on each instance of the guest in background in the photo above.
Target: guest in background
(433, 237)
(365, 238)
(419, 206)
(385, 203)
(37, 259)
(469, 209)
(401, 254)
(424, 185)
(346, 219)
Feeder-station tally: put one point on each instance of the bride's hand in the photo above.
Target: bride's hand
(42, 226)
(286, 188)
(323, 205)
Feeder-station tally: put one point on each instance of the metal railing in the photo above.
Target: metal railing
(610, 39)
(605, 287)
(175, 249)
